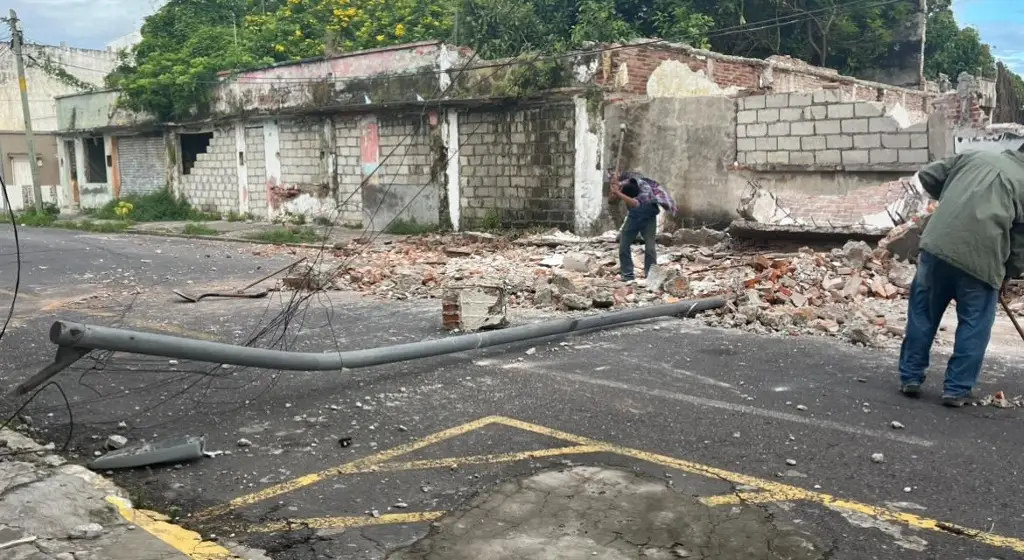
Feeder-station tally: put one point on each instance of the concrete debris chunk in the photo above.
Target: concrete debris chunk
(897, 425)
(579, 262)
(244, 443)
(703, 237)
(86, 532)
(116, 442)
(474, 308)
(877, 458)
(577, 302)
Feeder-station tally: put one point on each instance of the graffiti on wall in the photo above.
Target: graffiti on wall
(988, 143)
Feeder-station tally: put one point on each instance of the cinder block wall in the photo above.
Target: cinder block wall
(303, 154)
(213, 182)
(350, 173)
(819, 129)
(404, 190)
(256, 169)
(519, 165)
(143, 164)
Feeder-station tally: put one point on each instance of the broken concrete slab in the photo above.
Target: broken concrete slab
(474, 308)
(591, 512)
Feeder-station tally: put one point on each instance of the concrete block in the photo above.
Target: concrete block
(757, 157)
(778, 157)
(896, 141)
(791, 143)
(816, 113)
(767, 143)
(884, 124)
(919, 141)
(756, 130)
(768, 115)
(827, 127)
(745, 145)
(855, 157)
(869, 109)
(913, 156)
(741, 130)
(838, 142)
(811, 143)
(883, 155)
(778, 129)
(474, 308)
(801, 158)
(746, 117)
(776, 100)
(800, 99)
(855, 126)
(827, 96)
(840, 111)
(828, 157)
(867, 141)
(801, 128)
(791, 114)
(754, 102)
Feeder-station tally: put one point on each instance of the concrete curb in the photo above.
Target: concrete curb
(101, 524)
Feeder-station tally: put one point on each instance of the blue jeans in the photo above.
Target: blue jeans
(641, 220)
(935, 285)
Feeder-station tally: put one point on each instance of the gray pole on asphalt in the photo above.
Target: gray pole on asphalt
(16, 46)
(75, 340)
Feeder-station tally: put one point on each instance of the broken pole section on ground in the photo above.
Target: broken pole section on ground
(76, 340)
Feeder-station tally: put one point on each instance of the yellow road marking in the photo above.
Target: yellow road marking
(359, 465)
(320, 523)
(737, 499)
(769, 491)
(187, 542)
(484, 459)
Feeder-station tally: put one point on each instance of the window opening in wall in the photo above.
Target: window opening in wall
(191, 146)
(95, 161)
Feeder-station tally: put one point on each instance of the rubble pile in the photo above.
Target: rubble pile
(854, 292)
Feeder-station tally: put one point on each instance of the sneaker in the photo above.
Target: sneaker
(957, 402)
(911, 389)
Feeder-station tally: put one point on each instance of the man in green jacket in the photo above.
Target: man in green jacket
(972, 245)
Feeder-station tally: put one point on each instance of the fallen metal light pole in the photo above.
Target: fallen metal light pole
(75, 340)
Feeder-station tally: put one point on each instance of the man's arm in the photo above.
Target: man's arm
(630, 202)
(933, 176)
(1015, 264)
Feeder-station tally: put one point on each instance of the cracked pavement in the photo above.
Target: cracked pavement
(708, 397)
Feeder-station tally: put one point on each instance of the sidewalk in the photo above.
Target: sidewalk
(244, 231)
(51, 510)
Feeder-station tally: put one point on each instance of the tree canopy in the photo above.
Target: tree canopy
(187, 42)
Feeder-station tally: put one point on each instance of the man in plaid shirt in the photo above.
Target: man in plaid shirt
(645, 199)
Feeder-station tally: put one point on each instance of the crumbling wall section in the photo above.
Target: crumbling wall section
(304, 154)
(212, 183)
(636, 67)
(517, 166)
(820, 131)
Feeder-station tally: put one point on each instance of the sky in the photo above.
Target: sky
(94, 23)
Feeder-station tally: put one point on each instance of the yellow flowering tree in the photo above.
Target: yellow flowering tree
(306, 28)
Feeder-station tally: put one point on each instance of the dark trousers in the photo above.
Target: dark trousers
(935, 285)
(642, 220)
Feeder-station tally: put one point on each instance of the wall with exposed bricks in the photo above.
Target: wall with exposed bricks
(518, 166)
(630, 69)
(820, 130)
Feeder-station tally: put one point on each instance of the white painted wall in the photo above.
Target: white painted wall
(991, 143)
(88, 65)
(588, 174)
(272, 159)
(450, 137)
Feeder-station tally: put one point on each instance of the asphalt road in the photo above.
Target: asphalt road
(794, 421)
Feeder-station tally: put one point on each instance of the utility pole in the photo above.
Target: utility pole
(16, 44)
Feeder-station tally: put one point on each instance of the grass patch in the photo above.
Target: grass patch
(199, 229)
(161, 206)
(32, 218)
(491, 220)
(236, 217)
(282, 235)
(409, 227)
(96, 227)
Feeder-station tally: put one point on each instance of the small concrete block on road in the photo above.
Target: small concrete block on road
(474, 308)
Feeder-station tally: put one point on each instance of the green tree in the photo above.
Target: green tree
(950, 49)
